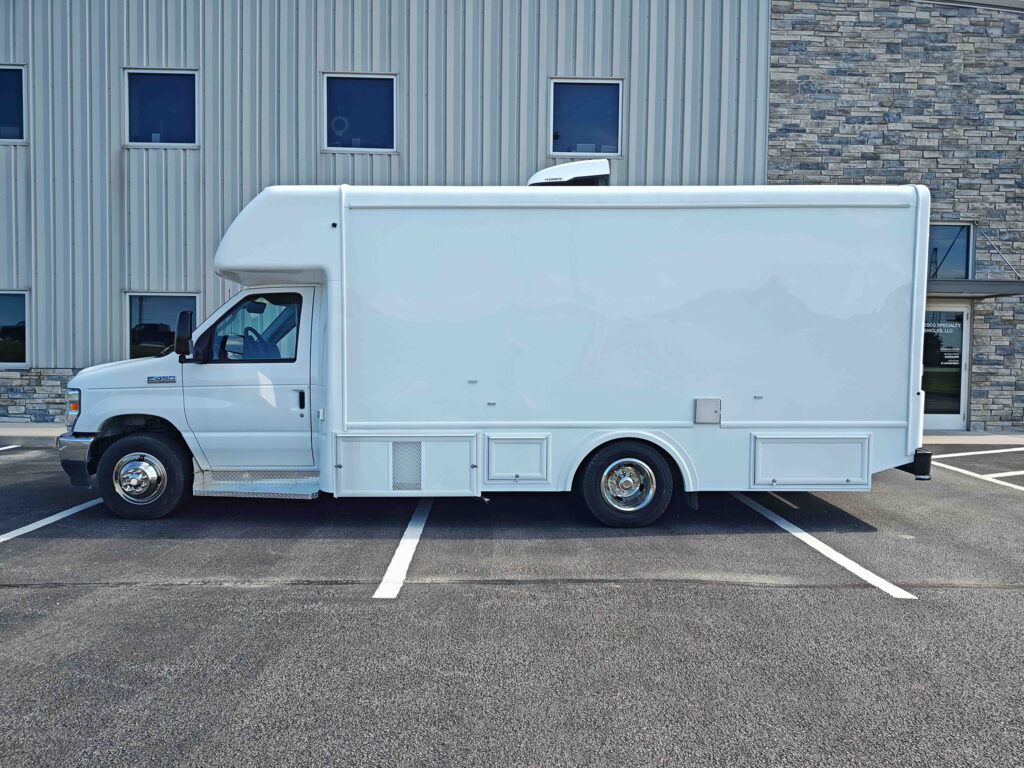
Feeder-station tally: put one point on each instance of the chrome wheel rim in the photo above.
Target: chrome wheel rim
(628, 485)
(140, 478)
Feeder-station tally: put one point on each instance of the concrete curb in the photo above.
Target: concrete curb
(29, 434)
(973, 438)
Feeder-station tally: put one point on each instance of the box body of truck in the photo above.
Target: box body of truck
(456, 341)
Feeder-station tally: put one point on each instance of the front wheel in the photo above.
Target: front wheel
(626, 484)
(144, 476)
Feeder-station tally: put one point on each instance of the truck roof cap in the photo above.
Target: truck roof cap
(580, 173)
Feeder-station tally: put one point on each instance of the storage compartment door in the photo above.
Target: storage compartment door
(518, 459)
(449, 466)
(816, 462)
(407, 465)
(363, 466)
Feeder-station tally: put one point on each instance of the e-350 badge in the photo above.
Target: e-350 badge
(161, 379)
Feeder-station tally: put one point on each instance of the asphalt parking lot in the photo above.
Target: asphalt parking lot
(241, 632)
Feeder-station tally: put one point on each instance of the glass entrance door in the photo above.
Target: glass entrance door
(946, 341)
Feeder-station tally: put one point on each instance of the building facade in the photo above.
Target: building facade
(886, 92)
(133, 131)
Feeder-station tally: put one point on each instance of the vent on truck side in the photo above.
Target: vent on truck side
(406, 466)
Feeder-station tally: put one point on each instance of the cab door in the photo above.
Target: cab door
(247, 394)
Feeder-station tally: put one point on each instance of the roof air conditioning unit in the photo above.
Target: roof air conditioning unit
(582, 173)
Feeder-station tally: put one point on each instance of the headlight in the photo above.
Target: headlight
(74, 408)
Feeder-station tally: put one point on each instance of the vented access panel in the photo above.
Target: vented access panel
(406, 466)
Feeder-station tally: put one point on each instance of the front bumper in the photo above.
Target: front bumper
(74, 456)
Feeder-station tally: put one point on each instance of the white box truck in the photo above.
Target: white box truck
(623, 343)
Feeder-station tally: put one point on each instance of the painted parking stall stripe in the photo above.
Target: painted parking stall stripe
(7, 447)
(1005, 474)
(840, 559)
(394, 577)
(47, 520)
(986, 478)
(976, 453)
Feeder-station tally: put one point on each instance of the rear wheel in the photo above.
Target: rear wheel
(626, 484)
(144, 476)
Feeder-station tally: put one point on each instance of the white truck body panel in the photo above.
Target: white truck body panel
(462, 340)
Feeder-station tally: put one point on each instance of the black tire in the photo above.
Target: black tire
(138, 453)
(651, 502)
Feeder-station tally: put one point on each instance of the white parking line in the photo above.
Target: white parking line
(856, 569)
(986, 478)
(394, 577)
(47, 520)
(976, 453)
(1005, 474)
(7, 447)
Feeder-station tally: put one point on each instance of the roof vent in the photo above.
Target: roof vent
(582, 173)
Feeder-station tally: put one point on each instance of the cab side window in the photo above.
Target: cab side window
(263, 327)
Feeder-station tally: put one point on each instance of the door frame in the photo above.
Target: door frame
(949, 421)
(304, 345)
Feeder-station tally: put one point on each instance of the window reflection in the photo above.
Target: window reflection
(161, 108)
(949, 252)
(12, 105)
(152, 321)
(264, 327)
(585, 118)
(12, 328)
(361, 112)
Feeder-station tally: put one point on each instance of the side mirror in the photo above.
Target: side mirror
(183, 334)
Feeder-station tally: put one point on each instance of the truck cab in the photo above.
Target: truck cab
(235, 396)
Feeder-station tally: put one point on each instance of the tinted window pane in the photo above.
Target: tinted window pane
(161, 108)
(12, 328)
(586, 118)
(152, 322)
(12, 117)
(943, 361)
(949, 249)
(264, 327)
(361, 112)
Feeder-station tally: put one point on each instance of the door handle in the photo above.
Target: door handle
(302, 399)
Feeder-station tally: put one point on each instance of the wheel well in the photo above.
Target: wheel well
(119, 426)
(677, 475)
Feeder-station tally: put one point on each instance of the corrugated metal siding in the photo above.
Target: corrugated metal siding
(83, 219)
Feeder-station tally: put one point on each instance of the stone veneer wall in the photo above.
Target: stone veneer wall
(873, 91)
(33, 394)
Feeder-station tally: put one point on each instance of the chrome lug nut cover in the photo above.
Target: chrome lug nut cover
(140, 478)
(628, 485)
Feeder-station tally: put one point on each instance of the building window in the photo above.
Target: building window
(586, 117)
(12, 104)
(13, 340)
(161, 107)
(152, 320)
(949, 251)
(359, 113)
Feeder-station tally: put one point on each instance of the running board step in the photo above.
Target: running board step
(257, 484)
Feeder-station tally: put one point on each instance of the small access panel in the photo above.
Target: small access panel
(518, 459)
